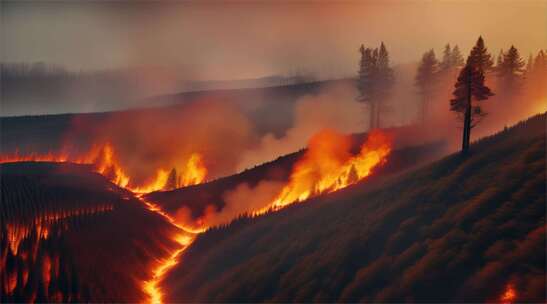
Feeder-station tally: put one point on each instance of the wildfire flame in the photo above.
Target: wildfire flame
(328, 165)
(184, 238)
(152, 287)
(105, 161)
(194, 172)
(509, 295)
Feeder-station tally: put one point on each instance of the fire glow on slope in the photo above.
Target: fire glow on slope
(509, 296)
(106, 162)
(328, 166)
(184, 238)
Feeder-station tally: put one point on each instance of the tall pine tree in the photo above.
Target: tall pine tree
(469, 91)
(511, 69)
(425, 80)
(479, 57)
(375, 79)
(446, 62)
(385, 80)
(456, 57)
(499, 60)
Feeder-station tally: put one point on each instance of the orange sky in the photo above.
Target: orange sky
(228, 40)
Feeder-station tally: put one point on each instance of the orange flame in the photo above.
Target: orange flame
(106, 162)
(152, 287)
(328, 166)
(194, 172)
(509, 295)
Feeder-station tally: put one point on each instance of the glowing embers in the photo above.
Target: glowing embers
(33, 247)
(329, 165)
(39, 226)
(509, 296)
(152, 287)
(183, 238)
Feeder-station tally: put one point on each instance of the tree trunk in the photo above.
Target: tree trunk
(467, 120)
(424, 108)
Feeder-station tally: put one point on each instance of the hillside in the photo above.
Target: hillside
(458, 230)
(197, 197)
(69, 235)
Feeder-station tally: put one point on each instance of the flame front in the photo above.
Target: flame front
(328, 165)
(105, 161)
(194, 172)
(184, 238)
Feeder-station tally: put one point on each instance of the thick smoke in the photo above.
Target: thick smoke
(244, 199)
(335, 107)
(148, 140)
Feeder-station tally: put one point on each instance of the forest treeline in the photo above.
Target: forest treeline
(512, 77)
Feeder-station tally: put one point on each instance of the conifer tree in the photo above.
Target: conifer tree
(456, 57)
(425, 78)
(385, 80)
(499, 60)
(479, 57)
(511, 69)
(469, 91)
(446, 62)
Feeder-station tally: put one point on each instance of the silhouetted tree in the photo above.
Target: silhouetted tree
(446, 62)
(386, 80)
(375, 81)
(499, 60)
(511, 69)
(171, 182)
(479, 57)
(367, 82)
(456, 57)
(425, 78)
(469, 90)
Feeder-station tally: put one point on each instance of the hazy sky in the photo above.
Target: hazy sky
(229, 40)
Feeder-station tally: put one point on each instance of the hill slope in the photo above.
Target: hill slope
(459, 230)
(69, 235)
(45, 133)
(197, 197)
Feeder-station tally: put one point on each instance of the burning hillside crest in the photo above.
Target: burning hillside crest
(106, 162)
(328, 165)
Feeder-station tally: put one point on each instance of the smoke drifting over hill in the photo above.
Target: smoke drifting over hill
(335, 107)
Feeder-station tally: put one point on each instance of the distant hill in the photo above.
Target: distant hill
(44, 133)
(69, 235)
(462, 229)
